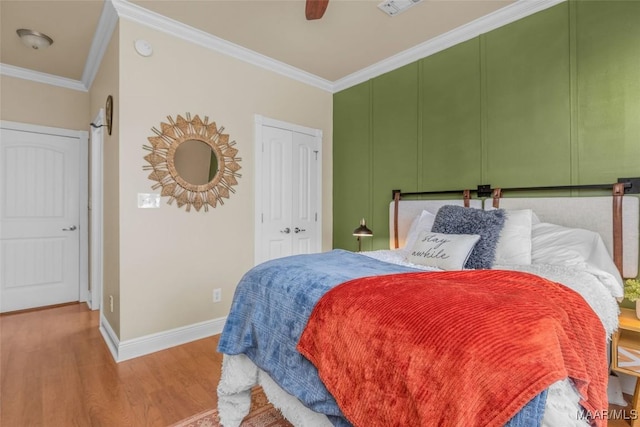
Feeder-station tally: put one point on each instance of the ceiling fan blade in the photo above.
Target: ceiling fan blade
(315, 9)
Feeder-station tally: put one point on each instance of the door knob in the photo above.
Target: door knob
(298, 230)
(72, 228)
(286, 230)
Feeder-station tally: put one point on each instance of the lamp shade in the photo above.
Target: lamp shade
(34, 39)
(362, 230)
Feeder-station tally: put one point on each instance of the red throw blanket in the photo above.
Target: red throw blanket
(454, 348)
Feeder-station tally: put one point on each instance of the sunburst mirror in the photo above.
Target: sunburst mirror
(193, 162)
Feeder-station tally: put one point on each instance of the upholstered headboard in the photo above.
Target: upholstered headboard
(591, 213)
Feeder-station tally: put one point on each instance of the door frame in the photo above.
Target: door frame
(96, 209)
(83, 199)
(259, 122)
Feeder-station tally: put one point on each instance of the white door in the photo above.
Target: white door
(276, 212)
(39, 219)
(288, 191)
(304, 200)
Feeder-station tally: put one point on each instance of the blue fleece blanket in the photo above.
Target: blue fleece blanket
(270, 309)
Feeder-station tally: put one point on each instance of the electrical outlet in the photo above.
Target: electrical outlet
(217, 295)
(111, 303)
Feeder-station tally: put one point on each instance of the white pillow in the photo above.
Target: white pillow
(444, 251)
(422, 222)
(555, 244)
(514, 244)
(534, 219)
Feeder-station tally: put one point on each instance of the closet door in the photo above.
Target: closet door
(287, 192)
(277, 195)
(304, 202)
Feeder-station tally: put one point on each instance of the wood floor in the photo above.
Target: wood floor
(56, 370)
(621, 418)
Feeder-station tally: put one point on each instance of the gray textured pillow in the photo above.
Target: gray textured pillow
(452, 219)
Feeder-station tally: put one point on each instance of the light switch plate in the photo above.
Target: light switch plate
(148, 200)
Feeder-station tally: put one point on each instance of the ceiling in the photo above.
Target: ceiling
(352, 35)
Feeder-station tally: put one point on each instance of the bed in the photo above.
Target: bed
(290, 312)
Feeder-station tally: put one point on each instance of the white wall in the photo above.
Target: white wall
(171, 260)
(107, 83)
(41, 104)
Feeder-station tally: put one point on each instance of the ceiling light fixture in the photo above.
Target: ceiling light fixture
(34, 39)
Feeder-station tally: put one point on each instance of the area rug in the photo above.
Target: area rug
(261, 414)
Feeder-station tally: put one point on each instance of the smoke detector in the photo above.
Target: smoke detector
(394, 7)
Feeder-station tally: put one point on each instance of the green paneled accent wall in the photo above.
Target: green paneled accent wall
(352, 153)
(450, 116)
(395, 142)
(527, 101)
(551, 99)
(608, 90)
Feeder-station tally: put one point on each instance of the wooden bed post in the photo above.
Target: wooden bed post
(466, 195)
(396, 203)
(497, 193)
(618, 193)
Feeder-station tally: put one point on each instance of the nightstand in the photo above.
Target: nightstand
(625, 352)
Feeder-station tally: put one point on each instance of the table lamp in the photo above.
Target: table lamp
(362, 231)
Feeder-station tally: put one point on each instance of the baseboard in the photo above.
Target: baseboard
(129, 349)
(627, 382)
(109, 336)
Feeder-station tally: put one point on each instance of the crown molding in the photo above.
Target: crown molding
(499, 18)
(36, 76)
(100, 43)
(166, 25)
(114, 9)
(101, 39)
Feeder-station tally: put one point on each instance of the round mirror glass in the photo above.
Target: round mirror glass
(196, 162)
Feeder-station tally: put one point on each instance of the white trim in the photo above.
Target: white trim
(27, 127)
(83, 174)
(109, 336)
(499, 18)
(95, 210)
(265, 121)
(129, 349)
(257, 189)
(83, 214)
(37, 76)
(101, 39)
(166, 25)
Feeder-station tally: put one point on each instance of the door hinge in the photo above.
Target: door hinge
(262, 218)
(316, 151)
(316, 216)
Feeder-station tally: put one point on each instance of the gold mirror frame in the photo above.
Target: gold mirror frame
(161, 162)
